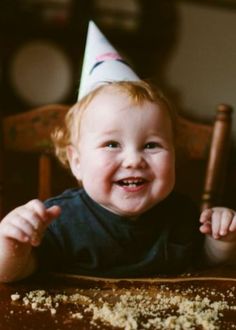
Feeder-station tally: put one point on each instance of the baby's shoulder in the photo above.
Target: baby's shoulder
(73, 209)
(69, 196)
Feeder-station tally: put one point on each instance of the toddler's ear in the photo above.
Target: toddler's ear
(73, 158)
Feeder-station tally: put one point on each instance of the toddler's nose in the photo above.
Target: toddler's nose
(134, 159)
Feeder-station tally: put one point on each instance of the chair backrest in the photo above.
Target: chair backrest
(210, 144)
(29, 132)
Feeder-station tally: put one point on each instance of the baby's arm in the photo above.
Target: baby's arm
(21, 230)
(219, 226)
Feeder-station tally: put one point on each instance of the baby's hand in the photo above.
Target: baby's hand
(219, 222)
(27, 223)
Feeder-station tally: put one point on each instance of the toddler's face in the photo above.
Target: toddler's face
(125, 157)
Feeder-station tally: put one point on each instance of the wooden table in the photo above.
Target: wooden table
(15, 315)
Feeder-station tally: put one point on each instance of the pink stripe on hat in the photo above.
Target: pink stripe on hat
(108, 56)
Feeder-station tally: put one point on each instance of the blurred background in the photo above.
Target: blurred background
(186, 47)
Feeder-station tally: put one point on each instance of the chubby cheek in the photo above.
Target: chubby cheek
(97, 172)
(166, 171)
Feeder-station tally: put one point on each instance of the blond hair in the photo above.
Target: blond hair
(138, 91)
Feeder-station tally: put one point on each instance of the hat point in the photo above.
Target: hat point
(102, 63)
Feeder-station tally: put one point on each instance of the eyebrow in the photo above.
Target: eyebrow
(109, 132)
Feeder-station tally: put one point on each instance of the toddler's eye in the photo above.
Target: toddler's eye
(112, 144)
(152, 145)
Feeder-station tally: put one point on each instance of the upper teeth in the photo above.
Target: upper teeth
(132, 181)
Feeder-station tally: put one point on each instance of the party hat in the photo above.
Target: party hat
(102, 63)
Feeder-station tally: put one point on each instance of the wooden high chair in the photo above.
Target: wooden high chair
(29, 132)
(204, 144)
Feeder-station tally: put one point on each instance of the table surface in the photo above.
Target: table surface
(16, 314)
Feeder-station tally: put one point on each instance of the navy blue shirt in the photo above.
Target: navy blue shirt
(87, 239)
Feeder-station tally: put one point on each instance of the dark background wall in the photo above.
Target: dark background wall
(144, 31)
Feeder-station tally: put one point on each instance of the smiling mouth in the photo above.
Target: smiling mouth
(131, 182)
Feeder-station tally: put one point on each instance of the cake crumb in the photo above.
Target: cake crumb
(15, 296)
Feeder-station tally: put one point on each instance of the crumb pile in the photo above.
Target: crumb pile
(138, 308)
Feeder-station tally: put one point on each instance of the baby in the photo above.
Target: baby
(126, 220)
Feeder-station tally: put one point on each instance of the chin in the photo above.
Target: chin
(126, 212)
(133, 212)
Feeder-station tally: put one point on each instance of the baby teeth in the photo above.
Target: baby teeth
(132, 183)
